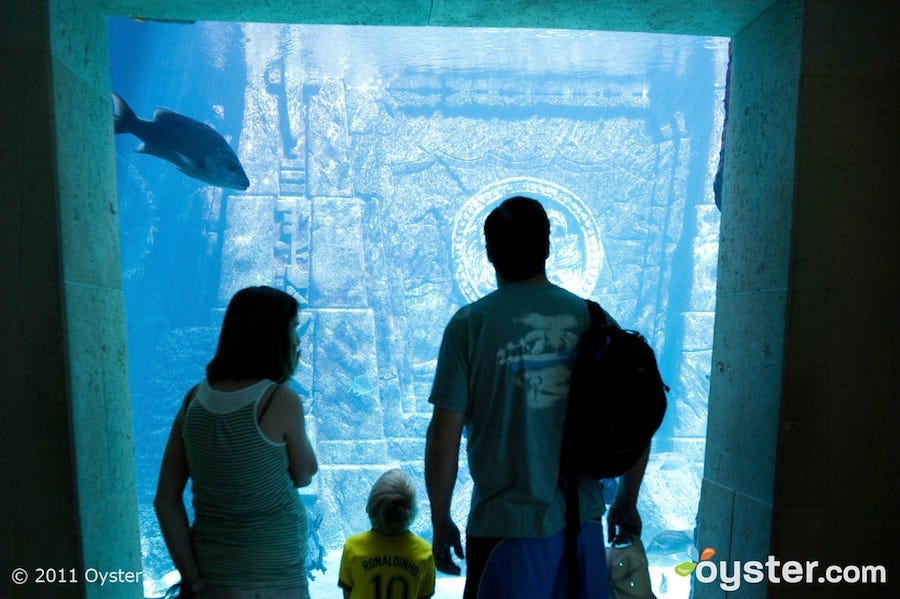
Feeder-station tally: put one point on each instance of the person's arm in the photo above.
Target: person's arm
(302, 463)
(623, 518)
(170, 510)
(442, 443)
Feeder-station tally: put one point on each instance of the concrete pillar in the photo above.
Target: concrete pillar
(68, 452)
(38, 500)
(755, 239)
(836, 483)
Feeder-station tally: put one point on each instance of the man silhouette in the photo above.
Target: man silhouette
(503, 373)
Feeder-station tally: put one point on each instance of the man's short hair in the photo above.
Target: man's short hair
(392, 503)
(517, 238)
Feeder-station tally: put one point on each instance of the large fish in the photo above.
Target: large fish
(195, 149)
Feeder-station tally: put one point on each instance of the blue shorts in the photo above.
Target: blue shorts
(515, 568)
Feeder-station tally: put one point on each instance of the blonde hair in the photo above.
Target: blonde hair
(392, 503)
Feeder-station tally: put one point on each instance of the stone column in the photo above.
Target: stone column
(68, 500)
(351, 443)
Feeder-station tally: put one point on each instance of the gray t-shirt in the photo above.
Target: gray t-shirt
(506, 360)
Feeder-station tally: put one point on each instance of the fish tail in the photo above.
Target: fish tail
(124, 118)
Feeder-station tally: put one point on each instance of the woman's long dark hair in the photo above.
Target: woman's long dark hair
(255, 342)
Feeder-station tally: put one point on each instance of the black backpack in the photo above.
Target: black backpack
(617, 400)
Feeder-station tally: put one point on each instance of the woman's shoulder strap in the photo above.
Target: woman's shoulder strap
(266, 401)
(188, 398)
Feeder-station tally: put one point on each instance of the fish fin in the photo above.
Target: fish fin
(146, 148)
(193, 165)
(172, 118)
(187, 166)
(163, 113)
(181, 162)
(123, 116)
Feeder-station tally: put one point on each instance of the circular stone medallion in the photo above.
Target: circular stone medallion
(576, 251)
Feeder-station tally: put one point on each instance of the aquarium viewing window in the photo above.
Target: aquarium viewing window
(373, 155)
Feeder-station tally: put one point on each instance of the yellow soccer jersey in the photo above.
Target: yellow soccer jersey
(377, 566)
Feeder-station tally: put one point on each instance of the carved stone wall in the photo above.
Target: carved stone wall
(377, 231)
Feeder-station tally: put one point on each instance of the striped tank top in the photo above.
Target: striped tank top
(250, 528)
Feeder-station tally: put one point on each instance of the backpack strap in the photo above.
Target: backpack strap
(573, 528)
(267, 401)
(597, 314)
(570, 480)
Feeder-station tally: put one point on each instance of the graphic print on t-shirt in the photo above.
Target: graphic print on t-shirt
(544, 355)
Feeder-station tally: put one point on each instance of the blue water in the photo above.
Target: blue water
(374, 155)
